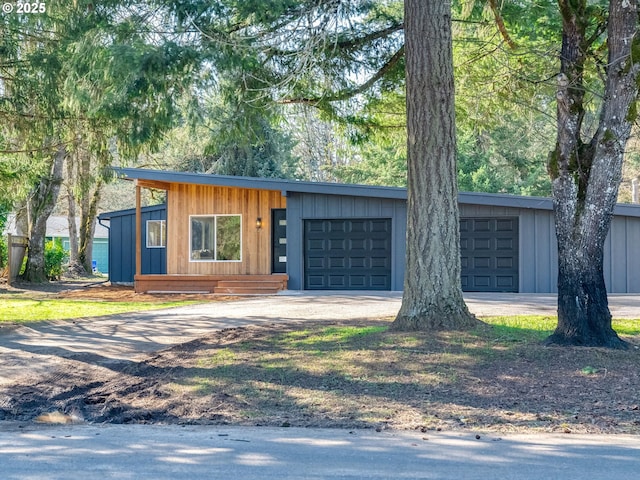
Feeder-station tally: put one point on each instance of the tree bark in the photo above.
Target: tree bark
(586, 175)
(88, 216)
(75, 268)
(432, 296)
(41, 204)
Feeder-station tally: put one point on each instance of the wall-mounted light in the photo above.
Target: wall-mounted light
(258, 223)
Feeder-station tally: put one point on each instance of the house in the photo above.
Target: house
(238, 234)
(58, 229)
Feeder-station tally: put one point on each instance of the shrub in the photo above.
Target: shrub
(3, 251)
(54, 257)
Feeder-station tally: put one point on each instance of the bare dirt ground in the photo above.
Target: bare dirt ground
(96, 288)
(380, 380)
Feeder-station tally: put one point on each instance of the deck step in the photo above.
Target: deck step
(250, 283)
(239, 290)
(249, 287)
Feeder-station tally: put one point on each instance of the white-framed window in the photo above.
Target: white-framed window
(156, 233)
(215, 238)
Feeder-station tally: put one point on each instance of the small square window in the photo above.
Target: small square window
(156, 233)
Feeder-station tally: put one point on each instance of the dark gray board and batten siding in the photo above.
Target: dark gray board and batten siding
(622, 255)
(537, 246)
(538, 264)
(310, 206)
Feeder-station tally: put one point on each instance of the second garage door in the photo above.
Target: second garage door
(489, 254)
(347, 254)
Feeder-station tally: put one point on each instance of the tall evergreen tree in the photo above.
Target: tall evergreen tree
(241, 139)
(85, 78)
(432, 296)
(336, 54)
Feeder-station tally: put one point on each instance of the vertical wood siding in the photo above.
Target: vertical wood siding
(184, 200)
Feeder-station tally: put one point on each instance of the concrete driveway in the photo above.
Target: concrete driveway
(31, 348)
(28, 349)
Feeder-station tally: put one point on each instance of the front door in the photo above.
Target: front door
(279, 240)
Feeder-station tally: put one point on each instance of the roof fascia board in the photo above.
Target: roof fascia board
(131, 211)
(295, 186)
(263, 183)
(505, 200)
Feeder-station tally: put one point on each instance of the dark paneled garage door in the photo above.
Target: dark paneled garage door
(353, 254)
(489, 253)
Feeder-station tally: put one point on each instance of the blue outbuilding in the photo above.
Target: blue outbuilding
(122, 242)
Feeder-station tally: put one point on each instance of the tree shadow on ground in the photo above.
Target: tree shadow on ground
(356, 376)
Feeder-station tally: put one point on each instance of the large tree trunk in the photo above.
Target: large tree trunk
(432, 292)
(586, 176)
(41, 204)
(583, 311)
(88, 225)
(75, 268)
(86, 183)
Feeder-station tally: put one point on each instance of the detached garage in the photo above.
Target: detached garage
(278, 234)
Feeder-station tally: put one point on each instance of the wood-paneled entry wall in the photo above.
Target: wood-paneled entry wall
(184, 200)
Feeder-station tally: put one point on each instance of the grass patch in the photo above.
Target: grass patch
(20, 310)
(626, 327)
(537, 327)
(522, 328)
(337, 335)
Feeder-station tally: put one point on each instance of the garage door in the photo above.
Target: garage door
(489, 254)
(353, 254)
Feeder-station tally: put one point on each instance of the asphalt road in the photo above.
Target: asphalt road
(187, 453)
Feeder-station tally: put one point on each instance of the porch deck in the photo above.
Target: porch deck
(222, 284)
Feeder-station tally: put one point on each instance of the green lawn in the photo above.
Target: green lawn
(22, 310)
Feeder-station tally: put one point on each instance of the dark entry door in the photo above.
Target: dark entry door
(489, 254)
(279, 240)
(347, 254)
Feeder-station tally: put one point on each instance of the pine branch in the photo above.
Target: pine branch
(352, 92)
(500, 24)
